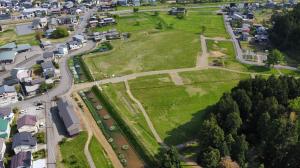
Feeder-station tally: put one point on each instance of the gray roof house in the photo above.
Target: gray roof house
(6, 113)
(7, 89)
(67, 114)
(21, 160)
(23, 142)
(48, 69)
(49, 55)
(9, 51)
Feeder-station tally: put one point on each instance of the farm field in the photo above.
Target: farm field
(72, 152)
(176, 111)
(116, 94)
(98, 154)
(10, 36)
(176, 42)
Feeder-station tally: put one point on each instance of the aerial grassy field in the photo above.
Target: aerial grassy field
(176, 111)
(10, 36)
(224, 51)
(98, 154)
(128, 110)
(175, 44)
(72, 152)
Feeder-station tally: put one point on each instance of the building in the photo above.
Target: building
(62, 50)
(48, 69)
(74, 45)
(24, 142)
(39, 23)
(79, 38)
(176, 11)
(2, 148)
(22, 160)
(9, 51)
(49, 55)
(31, 90)
(27, 123)
(20, 74)
(8, 95)
(68, 116)
(4, 128)
(97, 36)
(6, 113)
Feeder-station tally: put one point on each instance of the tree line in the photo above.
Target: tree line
(285, 30)
(255, 125)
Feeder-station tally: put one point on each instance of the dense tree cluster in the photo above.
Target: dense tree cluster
(255, 125)
(285, 31)
(169, 158)
(60, 32)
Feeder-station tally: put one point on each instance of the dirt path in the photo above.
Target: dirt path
(147, 118)
(202, 60)
(93, 129)
(176, 78)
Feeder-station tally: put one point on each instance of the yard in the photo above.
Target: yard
(72, 151)
(98, 154)
(10, 36)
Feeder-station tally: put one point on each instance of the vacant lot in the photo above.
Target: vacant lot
(72, 151)
(146, 52)
(98, 154)
(176, 111)
(10, 36)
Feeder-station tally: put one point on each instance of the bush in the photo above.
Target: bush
(159, 25)
(40, 137)
(180, 16)
(39, 154)
(60, 32)
(135, 10)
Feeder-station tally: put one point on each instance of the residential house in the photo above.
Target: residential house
(21, 160)
(8, 95)
(20, 74)
(31, 90)
(48, 33)
(99, 36)
(2, 148)
(68, 116)
(48, 69)
(62, 50)
(107, 21)
(74, 45)
(46, 44)
(6, 113)
(24, 142)
(39, 23)
(27, 123)
(4, 128)
(112, 34)
(79, 38)
(48, 56)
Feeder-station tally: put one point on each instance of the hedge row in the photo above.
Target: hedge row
(85, 69)
(132, 138)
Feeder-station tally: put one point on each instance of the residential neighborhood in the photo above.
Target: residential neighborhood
(137, 84)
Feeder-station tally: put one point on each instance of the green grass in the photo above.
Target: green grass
(10, 36)
(131, 114)
(226, 50)
(146, 52)
(72, 151)
(176, 111)
(98, 154)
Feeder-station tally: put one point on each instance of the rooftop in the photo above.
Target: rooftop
(26, 120)
(23, 138)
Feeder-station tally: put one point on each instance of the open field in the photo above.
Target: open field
(175, 45)
(224, 51)
(72, 152)
(116, 93)
(146, 52)
(98, 154)
(176, 111)
(10, 36)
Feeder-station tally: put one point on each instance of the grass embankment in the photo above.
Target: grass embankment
(98, 154)
(175, 45)
(72, 151)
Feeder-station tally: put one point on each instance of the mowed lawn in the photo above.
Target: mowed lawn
(128, 110)
(72, 152)
(98, 154)
(146, 52)
(177, 111)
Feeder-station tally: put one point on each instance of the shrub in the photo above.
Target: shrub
(60, 32)
(135, 10)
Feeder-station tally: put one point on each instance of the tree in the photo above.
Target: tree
(60, 32)
(274, 57)
(294, 104)
(233, 122)
(210, 158)
(37, 69)
(169, 158)
(203, 29)
(239, 150)
(226, 162)
(135, 10)
(38, 35)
